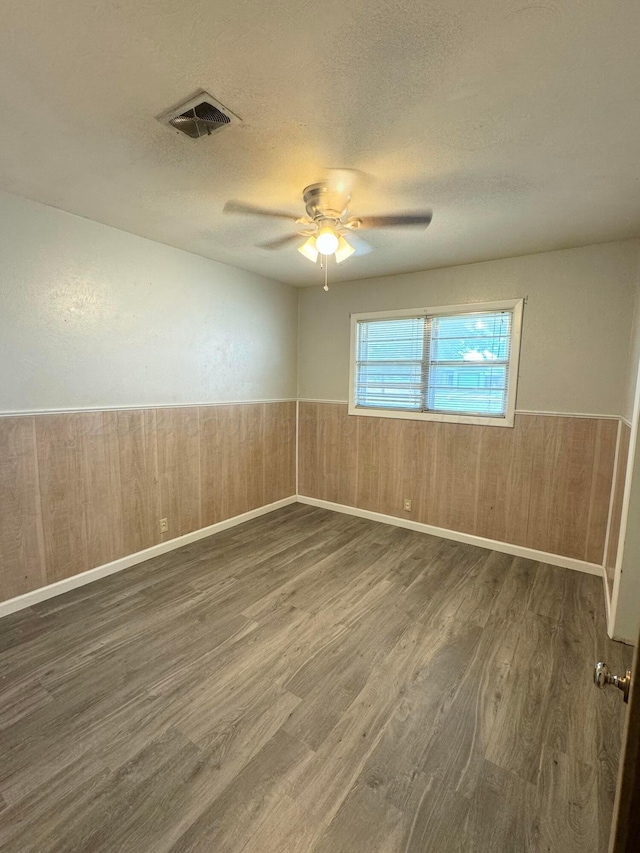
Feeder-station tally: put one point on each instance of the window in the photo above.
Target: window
(458, 363)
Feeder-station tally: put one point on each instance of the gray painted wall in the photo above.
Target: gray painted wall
(94, 317)
(576, 328)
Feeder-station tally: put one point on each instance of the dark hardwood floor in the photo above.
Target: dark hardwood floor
(312, 682)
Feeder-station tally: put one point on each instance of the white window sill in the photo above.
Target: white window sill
(400, 414)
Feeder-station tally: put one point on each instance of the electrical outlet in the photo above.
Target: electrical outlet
(407, 504)
(164, 525)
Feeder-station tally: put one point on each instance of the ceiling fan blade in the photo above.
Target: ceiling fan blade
(359, 243)
(234, 206)
(393, 220)
(280, 242)
(343, 180)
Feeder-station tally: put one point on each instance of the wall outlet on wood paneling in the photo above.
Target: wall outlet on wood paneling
(408, 503)
(164, 525)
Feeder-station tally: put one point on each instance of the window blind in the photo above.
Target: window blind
(456, 364)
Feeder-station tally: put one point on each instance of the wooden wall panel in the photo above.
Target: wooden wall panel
(212, 473)
(247, 457)
(601, 485)
(328, 462)
(543, 437)
(544, 484)
(138, 465)
(21, 544)
(279, 456)
(504, 488)
(179, 469)
(338, 464)
(98, 434)
(616, 506)
(232, 460)
(308, 452)
(244, 430)
(419, 458)
(62, 495)
(456, 480)
(380, 467)
(561, 485)
(79, 490)
(82, 489)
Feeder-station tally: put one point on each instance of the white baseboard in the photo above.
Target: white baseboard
(29, 598)
(468, 538)
(53, 589)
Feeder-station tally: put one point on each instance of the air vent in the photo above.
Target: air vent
(201, 116)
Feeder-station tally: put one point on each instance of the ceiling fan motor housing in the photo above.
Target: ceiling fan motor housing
(325, 202)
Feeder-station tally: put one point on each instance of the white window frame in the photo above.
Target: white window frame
(514, 305)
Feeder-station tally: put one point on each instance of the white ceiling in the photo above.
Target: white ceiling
(518, 124)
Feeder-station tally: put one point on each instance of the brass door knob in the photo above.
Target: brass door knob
(602, 677)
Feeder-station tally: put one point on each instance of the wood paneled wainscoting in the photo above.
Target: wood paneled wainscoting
(80, 490)
(620, 477)
(545, 484)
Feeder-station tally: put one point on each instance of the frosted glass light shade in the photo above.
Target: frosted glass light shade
(308, 249)
(344, 250)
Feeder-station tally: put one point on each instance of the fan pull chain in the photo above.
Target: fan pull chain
(326, 275)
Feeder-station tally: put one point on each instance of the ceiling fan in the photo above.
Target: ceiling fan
(327, 221)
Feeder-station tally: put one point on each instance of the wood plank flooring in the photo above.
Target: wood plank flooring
(311, 681)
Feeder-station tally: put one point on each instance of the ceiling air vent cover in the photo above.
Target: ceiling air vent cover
(201, 116)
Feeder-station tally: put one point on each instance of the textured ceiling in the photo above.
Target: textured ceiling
(518, 124)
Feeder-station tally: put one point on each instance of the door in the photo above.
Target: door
(625, 829)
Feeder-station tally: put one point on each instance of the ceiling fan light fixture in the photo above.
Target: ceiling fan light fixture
(327, 241)
(344, 250)
(308, 249)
